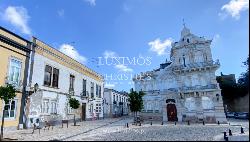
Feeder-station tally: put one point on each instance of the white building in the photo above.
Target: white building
(184, 88)
(115, 103)
(58, 76)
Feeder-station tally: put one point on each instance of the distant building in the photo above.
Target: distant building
(184, 88)
(115, 103)
(14, 63)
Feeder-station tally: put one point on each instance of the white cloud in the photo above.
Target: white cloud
(72, 52)
(18, 17)
(160, 47)
(109, 54)
(91, 2)
(234, 7)
(60, 13)
(123, 68)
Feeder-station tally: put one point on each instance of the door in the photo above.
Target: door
(83, 111)
(172, 112)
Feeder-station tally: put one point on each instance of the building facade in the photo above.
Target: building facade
(14, 63)
(55, 77)
(184, 88)
(115, 103)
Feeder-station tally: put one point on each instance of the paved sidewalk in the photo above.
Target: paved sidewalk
(58, 132)
(115, 130)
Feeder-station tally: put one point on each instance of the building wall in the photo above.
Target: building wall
(111, 109)
(7, 52)
(45, 55)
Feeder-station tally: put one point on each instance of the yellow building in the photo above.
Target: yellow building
(14, 63)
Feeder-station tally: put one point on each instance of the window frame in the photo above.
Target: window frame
(50, 80)
(84, 87)
(92, 89)
(53, 110)
(69, 109)
(72, 84)
(57, 81)
(98, 108)
(15, 109)
(10, 69)
(51, 84)
(43, 106)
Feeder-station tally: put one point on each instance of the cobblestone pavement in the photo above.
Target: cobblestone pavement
(115, 130)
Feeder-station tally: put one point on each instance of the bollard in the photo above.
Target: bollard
(203, 123)
(162, 123)
(230, 132)
(127, 125)
(218, 122)
(225, 135)
(174, 123)
(188, 123)
(140, 124)
(241, 130)
(151, 123)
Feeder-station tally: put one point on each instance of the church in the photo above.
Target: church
(184, 88)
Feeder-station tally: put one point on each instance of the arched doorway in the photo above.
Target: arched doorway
(172, 112)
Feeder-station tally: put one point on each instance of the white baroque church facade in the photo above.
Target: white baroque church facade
(184, 88)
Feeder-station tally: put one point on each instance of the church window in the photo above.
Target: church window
(187, 40)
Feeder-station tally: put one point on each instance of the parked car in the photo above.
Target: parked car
(241, 115)
(230, 114)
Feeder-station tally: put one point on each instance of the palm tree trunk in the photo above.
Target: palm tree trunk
(1, 137)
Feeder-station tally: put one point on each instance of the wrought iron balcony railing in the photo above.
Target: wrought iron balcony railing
(197, 65)
(199, 87)
(84, 94)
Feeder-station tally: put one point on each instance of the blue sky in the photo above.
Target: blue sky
(88, 29)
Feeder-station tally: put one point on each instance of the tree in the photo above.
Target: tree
(74, 103)
(136, 101)
(243, 81)
(6, 93)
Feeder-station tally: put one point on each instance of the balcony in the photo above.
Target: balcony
(84, 95)
(198, 65)
(199, 87)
